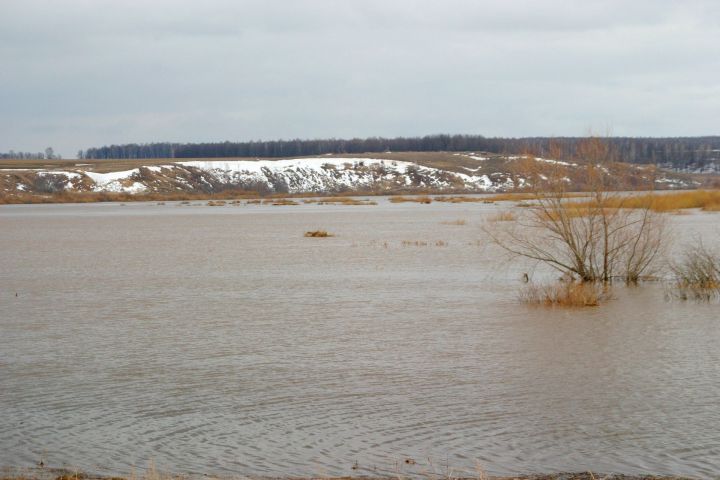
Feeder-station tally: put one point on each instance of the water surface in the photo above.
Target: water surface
(219, 340)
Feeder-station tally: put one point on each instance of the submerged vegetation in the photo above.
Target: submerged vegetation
(416, 199)
(458, 222)
(318, 234)
(566, 294)
(505, 216)
(280, 201)
(339, 201)
(697, 274)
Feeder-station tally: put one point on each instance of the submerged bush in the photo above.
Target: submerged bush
(318, 234)
(697, 274)
(566, 294)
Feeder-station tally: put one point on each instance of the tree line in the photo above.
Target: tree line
(48, 154)
(680, 152)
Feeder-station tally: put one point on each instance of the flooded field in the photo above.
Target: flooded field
(221, 340)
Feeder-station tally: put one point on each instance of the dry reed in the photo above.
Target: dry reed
(707, 200)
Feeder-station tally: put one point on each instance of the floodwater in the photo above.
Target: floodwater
(219, 340)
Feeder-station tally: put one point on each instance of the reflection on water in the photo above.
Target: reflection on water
(221, 340)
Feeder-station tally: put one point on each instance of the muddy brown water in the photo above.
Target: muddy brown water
(220, 340)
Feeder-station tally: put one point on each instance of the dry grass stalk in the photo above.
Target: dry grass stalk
(458, 222)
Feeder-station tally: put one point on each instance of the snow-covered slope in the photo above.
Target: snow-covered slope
(320, 175)
(298, 175)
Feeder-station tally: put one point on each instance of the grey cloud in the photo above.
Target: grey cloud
(83, 73)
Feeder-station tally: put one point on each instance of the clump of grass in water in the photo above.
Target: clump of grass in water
(423, 243)
(566, 294)
(697, 275)
(420, 199)
(216, 203)
(503, 217)
(281, 201)
(340, 201)
(461, 199)
(318, 234)
(414, 243)
(458, 222)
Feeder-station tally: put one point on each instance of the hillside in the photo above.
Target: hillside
(328, 174)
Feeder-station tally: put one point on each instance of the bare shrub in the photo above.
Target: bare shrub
(49, 183)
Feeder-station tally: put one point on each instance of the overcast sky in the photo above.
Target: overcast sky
(82, 73)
